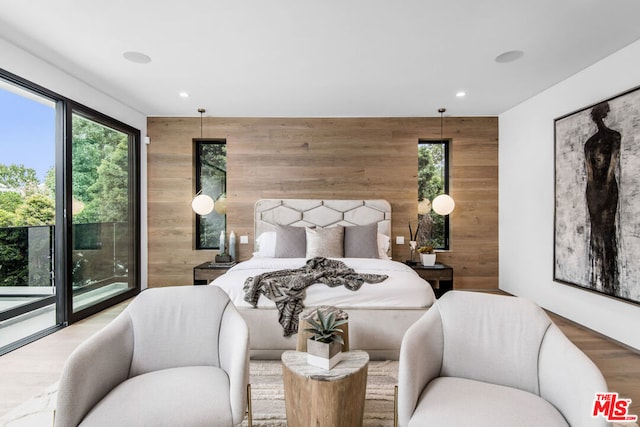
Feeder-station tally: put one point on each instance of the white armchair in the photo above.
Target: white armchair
(478, 359)
(174, 356)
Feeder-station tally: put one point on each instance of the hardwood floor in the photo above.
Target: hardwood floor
(619, 365)
(27, 371)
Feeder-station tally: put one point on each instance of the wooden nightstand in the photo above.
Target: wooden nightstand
(207, 271)
(439, 275)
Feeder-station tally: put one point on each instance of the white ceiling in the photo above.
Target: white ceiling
(323, 58)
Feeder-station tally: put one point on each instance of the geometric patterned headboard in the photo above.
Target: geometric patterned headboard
(321, 213)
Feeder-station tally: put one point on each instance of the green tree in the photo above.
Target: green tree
(431, 184)
(13, 252)
(50, 183)
(430, 171)
(37, 209)
(213, 182)
(110, 192)
(100, 172)
(7, 219)
(18, 176)
(10, 201)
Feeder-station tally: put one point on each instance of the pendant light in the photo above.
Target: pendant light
(202, 204)
(443, 204)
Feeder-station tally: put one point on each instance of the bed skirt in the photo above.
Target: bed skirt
(378, 331)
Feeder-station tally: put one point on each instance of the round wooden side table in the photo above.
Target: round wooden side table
(318, 397)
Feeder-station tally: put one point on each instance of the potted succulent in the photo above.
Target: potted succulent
(427, 255)
(324, 347)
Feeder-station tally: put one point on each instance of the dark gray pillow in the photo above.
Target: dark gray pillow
(291, 242)
(361, 241)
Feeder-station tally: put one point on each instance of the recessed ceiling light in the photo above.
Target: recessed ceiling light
(137, 57)
(184, 94)
(461, 94)
(510, 56)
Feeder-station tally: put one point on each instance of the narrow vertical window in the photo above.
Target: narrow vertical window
(433, 180)
(211, 180)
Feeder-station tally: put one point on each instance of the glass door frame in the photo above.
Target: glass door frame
(63, 245)
(64, 241)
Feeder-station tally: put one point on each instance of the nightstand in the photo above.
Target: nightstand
(439, 275)
(207, 271)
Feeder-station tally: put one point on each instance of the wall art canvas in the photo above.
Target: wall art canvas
(597, 197)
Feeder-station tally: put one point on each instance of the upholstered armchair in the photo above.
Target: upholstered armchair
(174, 356)
(478, 359)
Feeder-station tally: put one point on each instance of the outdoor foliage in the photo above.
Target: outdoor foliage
(99, 182)
(17, 176)
(431, 180)
(99, 172)
(213, 182)
(13, 256)
(37, 209)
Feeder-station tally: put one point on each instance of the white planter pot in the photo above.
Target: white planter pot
(322, 355)
(428, 259)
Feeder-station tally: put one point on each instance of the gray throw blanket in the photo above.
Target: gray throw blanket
(287, 288)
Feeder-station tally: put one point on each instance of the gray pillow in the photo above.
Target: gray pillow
(325, 242)
(361, 241)
(291, 242)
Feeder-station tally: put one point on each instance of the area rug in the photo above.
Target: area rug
(267, 392)
(267, 399)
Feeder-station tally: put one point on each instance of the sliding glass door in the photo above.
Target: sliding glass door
(69, 211)
(104, 215)
(27, 213)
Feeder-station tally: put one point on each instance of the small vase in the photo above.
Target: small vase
(323, 355)
(412, 248)
(428, 259)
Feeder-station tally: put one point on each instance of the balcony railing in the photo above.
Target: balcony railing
(99, 257)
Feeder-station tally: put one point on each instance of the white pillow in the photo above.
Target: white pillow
(384, 242)
(266, 245)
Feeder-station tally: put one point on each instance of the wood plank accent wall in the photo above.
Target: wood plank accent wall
(342, 158)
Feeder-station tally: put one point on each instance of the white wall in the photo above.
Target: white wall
(526, 159)
(23, 64)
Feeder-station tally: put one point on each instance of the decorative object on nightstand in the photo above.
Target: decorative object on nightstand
(223, 258)
(207, 271)
(440, 276)
(232, 245)
(413, 244)
(427, 255)
(222, 242)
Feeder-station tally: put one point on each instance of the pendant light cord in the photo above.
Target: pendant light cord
(201, 111)
(441, 111)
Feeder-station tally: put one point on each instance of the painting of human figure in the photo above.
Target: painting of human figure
(597, 197)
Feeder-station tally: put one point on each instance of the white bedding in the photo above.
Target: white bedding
(403, 289)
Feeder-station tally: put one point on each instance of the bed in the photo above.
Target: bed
(289, 232)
